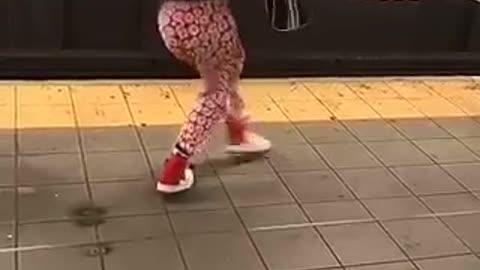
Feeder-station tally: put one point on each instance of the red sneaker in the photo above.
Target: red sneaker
(243, 141)
(177, 175)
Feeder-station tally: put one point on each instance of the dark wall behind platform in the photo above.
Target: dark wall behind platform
(118, 38)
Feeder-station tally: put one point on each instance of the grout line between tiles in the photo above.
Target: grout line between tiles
(392, 238)
(362, 221)
(416, 259)
(16, 229)
(437, 218)
(242, 222)
(297, 201)
(266, 80)
(375, 264)
(468, 115)
(84, 165)
(149, 238)
(156, 213)
(81, 150)
(411, 141)
(458, 181)
(25, 187)
(235, 209)
(149, 164)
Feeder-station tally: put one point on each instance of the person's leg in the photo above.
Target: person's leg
(241, 139)
(211, 109)
(177, 174)
(212, 43)
(205, 34)
(236, 121)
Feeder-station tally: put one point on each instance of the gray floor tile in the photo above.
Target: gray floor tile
(293, 249)
(279, 133)
(110, 139)
(116, 166)
(157, 157)
(374, 130)
(128, 198)
(424, 238)
(347, 155)
(7, 205)
(58, 233)
(58, 259)
(50, 203)
(272, 215)
(208, 194)
(159, 137)
(7, 142)
(325, 132)
(349, 242)
(424, 180)
(232, 165)
(420, 129)
(452, 203)
(466, 227)
(390, 266)
(6, 235)
(321, 186)
(51, 141)
(239, 254)
(466, 173)
(47, 169)
(396, 208)
(450, 263)
(206, 221)
(295, 158)
(446, 150)
(473, 144)
(398, 153)
(373, 183)
(137, 227)
(7, 261)
(202, 165)
(254, 190)
(336, 211)
(460, 127)
(147, 255)
(7, 167)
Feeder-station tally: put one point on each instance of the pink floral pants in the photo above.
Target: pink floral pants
(204, 34)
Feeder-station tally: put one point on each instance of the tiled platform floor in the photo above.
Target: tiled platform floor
(365, 174)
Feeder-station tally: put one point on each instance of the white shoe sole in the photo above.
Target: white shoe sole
(185, 184)
(256, 144)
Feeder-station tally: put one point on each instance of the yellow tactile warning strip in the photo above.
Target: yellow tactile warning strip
(117, 103)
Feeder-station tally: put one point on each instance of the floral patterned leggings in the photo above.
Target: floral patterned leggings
(204, 35)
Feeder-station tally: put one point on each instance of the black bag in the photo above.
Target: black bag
(286, 15)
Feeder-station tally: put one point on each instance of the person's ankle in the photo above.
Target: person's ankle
(236, 130)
